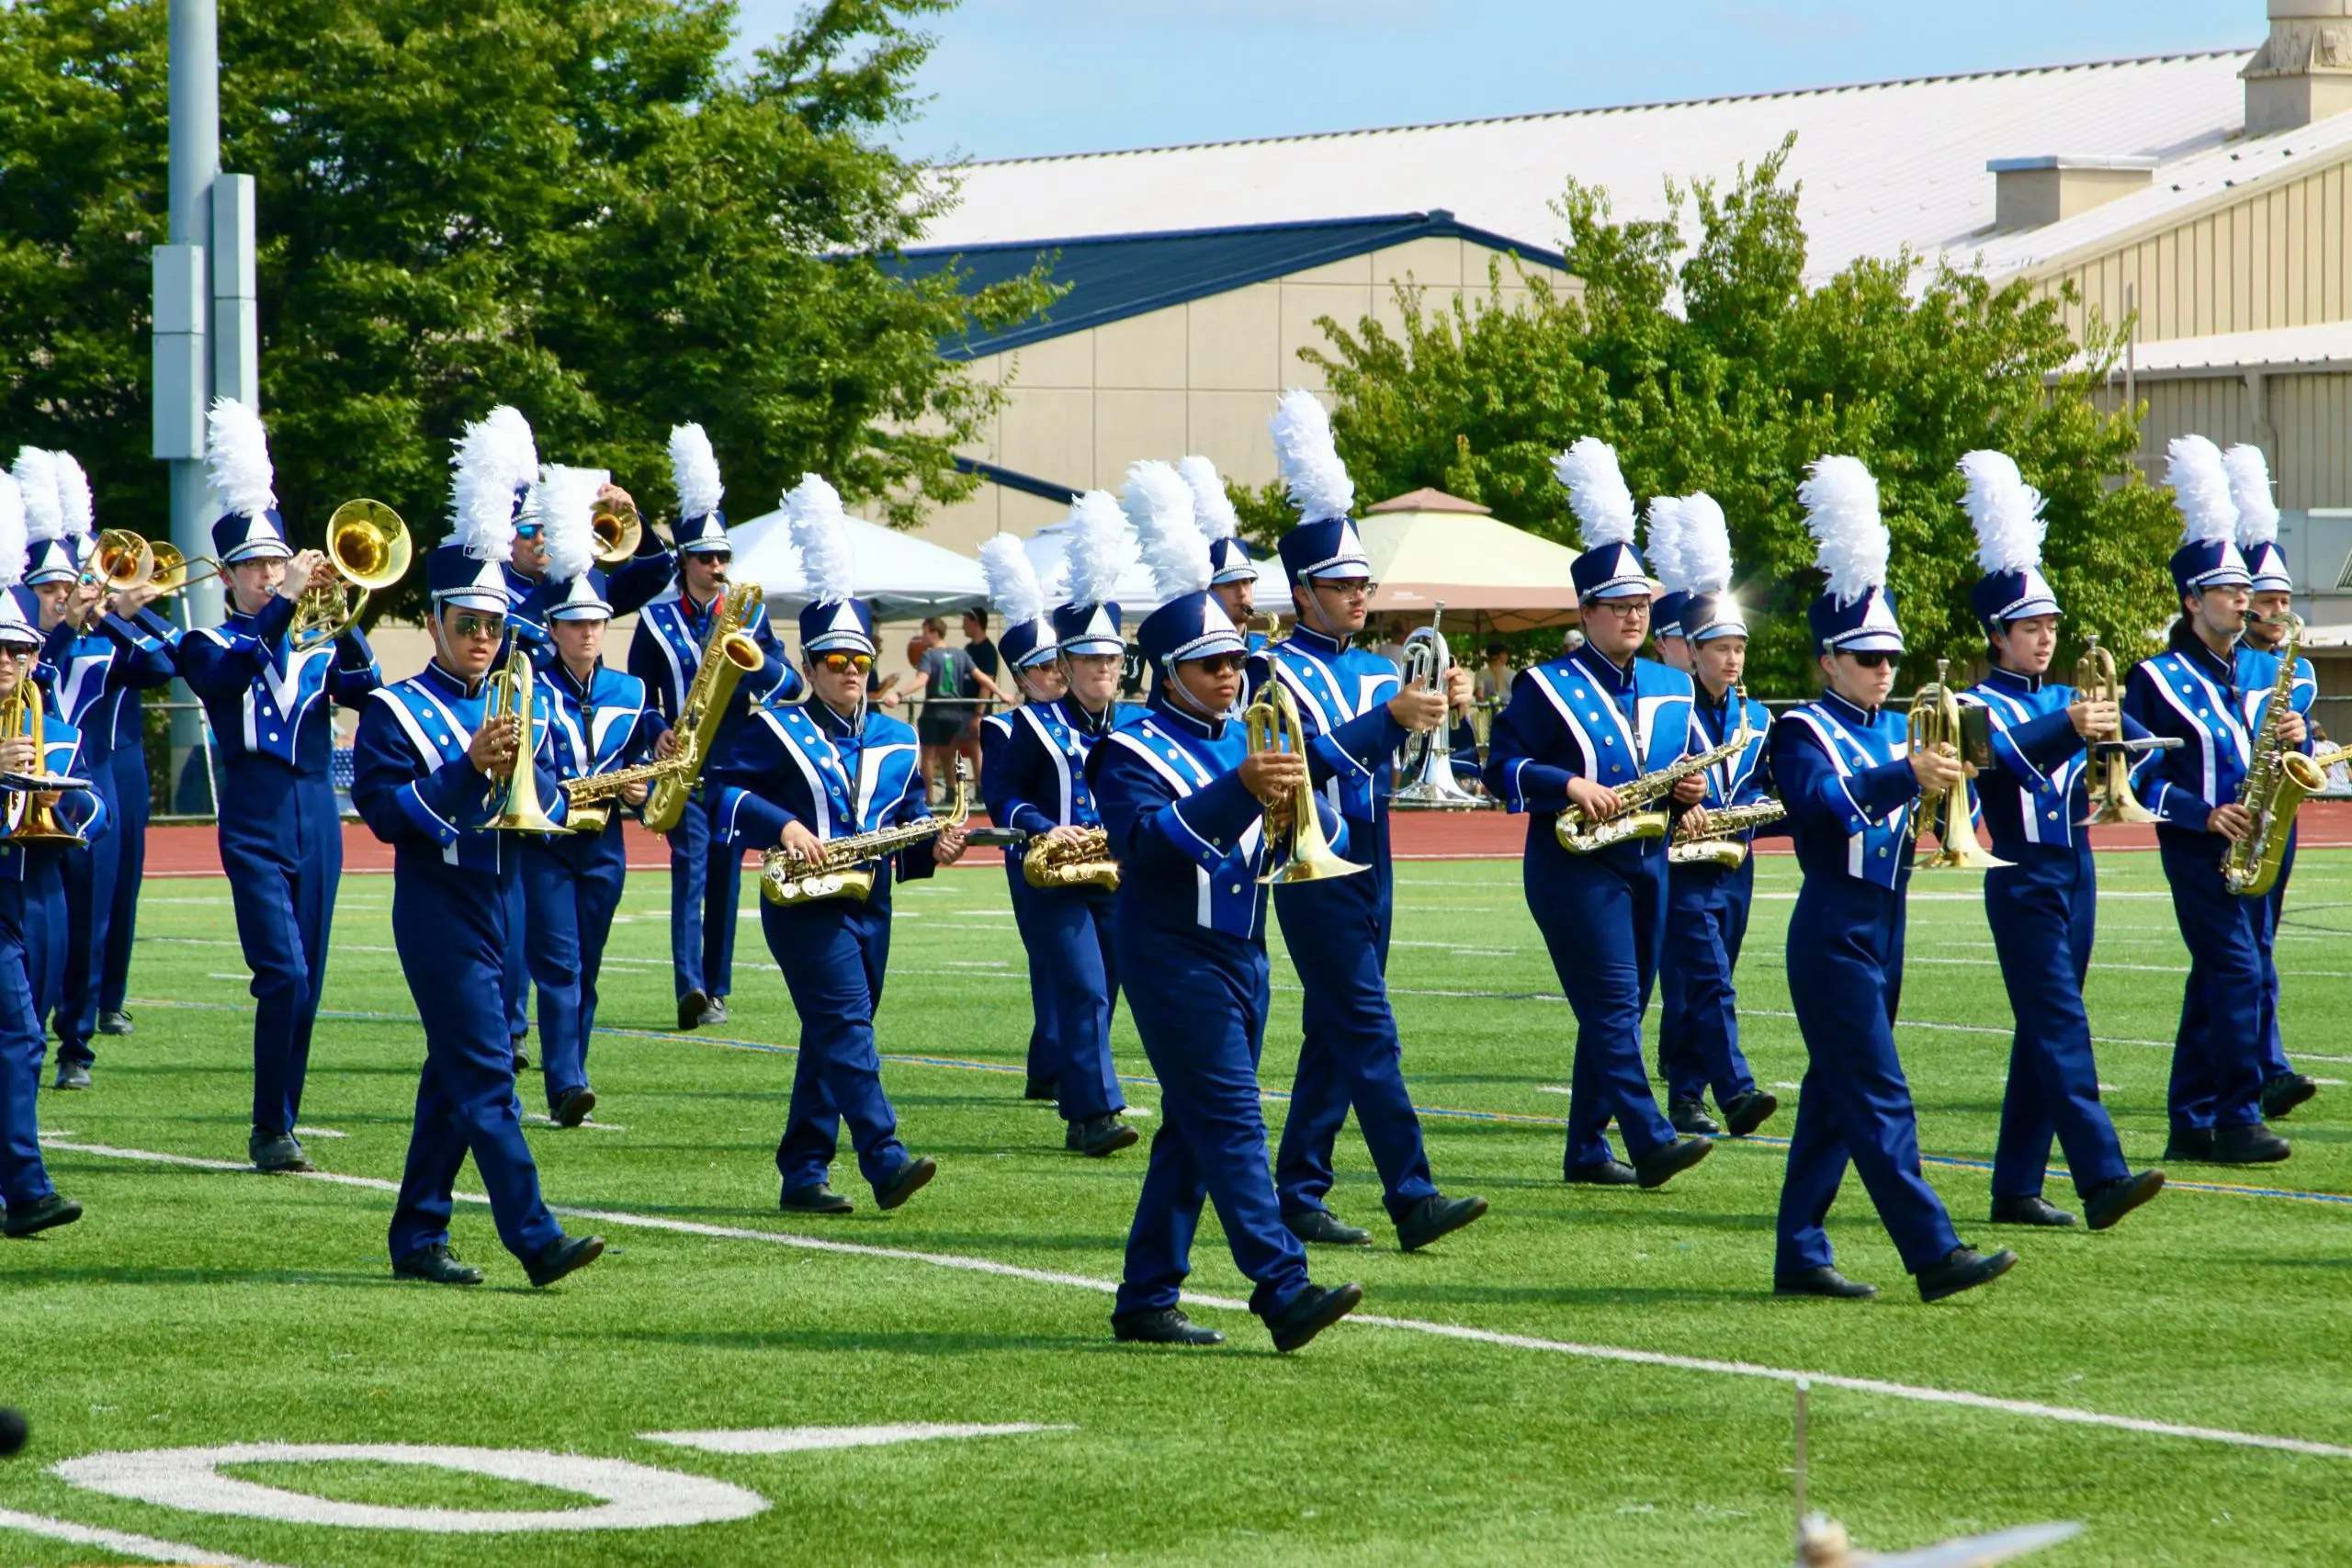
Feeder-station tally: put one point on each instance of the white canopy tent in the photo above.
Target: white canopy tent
(901, 577)
(1137, 594)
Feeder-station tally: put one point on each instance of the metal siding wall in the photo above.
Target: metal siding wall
(2311, 447)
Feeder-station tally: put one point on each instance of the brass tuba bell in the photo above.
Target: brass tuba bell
(1273, 725)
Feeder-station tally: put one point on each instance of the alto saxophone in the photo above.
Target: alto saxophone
(2274, 786)
(1634, 819)
(727, 655)
(1714, 844)
(1085, 862)
(839, 872)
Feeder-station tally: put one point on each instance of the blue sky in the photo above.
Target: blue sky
(1014, 78)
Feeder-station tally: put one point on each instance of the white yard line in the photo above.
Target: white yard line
(145, 1547)
(2027, 1409)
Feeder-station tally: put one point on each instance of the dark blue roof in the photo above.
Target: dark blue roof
(1110, 277)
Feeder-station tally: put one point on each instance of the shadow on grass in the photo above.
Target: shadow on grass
(904, 1342)
(340, 1278)
(1564, 1295)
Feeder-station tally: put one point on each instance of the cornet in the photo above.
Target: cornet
(1935, 724)
(2110, 766)
(1273, 725)
(509, 697)
(369, 546)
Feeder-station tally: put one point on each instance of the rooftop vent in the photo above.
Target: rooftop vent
(2030, 192)
(2303, 70)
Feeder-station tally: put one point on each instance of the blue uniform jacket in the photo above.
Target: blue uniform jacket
(2216, 707)
(1845, 776)
(1342, 695)
(266, 700)
(84, 811)
(1585, 717)
(1743, 779)
(667, 651)
(1032, 764)
(596, 729)
(415, 789)
(86, 673)
(2037, 793)
(834, 775)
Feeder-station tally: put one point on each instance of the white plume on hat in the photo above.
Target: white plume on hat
(1597, 491)
(2200, 488)
(496, 455)
(236, 458)
(2005, 510)
(73, 505)
(1013, 587)
(694, 471)
(36, 476)
(2249, 473)
(1211, 507)
(1662, 545)
(1841, 510)
(1309, 458)
(1155, 489)
(1176, 555)
(564, 500)
(1706, 544)
(13, 548)
(1101, 548)
(820, 530)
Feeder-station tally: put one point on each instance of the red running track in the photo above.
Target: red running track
(1432, 835)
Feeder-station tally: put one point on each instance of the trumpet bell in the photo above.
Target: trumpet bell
(1313, 860)
(2120, 809)
(618, 530)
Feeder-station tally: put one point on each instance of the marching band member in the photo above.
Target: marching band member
(430, 768)
(2212, 695)
(1846, 775)
(598, 721)
(2043, 906)
(1575, 728)
(132, 792)
(281, 836)
(32, 896)
(1032, 771)
(1663, 549)
(801, 774)
(1337, 929)
(1194, 817)
(1233, 574)
(1707, 904)
(2269, 600)
(705, 872)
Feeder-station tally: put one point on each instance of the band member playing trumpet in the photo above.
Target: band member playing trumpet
(797, 776)
(1707, 902)
(432, 765)
(1577, 729)
(1032, 771)
(281, 835)
(1194, 817)
(1851, 780)
(1356, 713)
(2212, 695)
(2271, 599)
(705, 872)
(2042, 905)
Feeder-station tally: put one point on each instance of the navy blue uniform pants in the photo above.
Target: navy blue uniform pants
(131, 802)
(705, 876)
(514, 977)
(453, 943)
(833, 954)
(23, 1043)
(1199, 999)
(90, 874)
(1073, 986)
(1698, 1034)
(2043, 912)
(281, 844)
(1604, 918)
(1349, 1055)
(2274, 908)
(2217, 1057)
(1845, 959)
(575, 888)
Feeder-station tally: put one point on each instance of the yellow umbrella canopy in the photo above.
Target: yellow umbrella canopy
(1428, 545)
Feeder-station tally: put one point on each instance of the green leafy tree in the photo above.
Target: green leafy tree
(1712, 365)
(574, 206)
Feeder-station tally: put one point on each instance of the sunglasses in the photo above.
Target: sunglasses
(528, 530)
(469, 625)
(842, 663)
(1220, 663)
(715, 557)
(1873, 660)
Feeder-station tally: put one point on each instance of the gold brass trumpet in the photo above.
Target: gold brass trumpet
(1935, 724)
(369, 546)
(1273, 725)
(2110, 769)
(510, 697)
(21, 716)
(617, 528)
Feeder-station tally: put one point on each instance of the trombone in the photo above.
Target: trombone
(369, 546)
(618, 529)
(1935, 723)
(175, 572)
(1273, 725)
(120, 559)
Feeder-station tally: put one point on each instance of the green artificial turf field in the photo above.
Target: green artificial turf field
(201, 1307)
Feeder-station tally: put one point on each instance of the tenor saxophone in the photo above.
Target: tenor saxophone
(842, 871)
(1635, 818)
(2274, 786)
(727, 655)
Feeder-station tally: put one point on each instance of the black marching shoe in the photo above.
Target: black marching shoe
(114, 1021)
(2030, 1209)
(1964, 1269)
(1689, 1117)
(1602, 1173)
(2283, 1092)
(2105, 1204)
(2189, 1143)
(41, 1214)
(1748, 1112)
(1042, 1088)
(72, 1075)
(437, 1265)
(276, 1153)
(716, 1012)
(2255, 1144)
(1823, 1281)
(562, 1255)
(1095, 1136)
(1316, 1310)
(573, 1108)
(1434, 1216)
(522, 1057)
(691, 1007)
(1321, 1227)
(1160, 1326)
(909, 1180)
(1660, 1166)
(818, 1199)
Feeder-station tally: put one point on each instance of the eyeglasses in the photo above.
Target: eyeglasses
(473, 625)
(842, 663)
(1625, 609)
(1345, 587)
(1220, 663)
(1874, 660)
